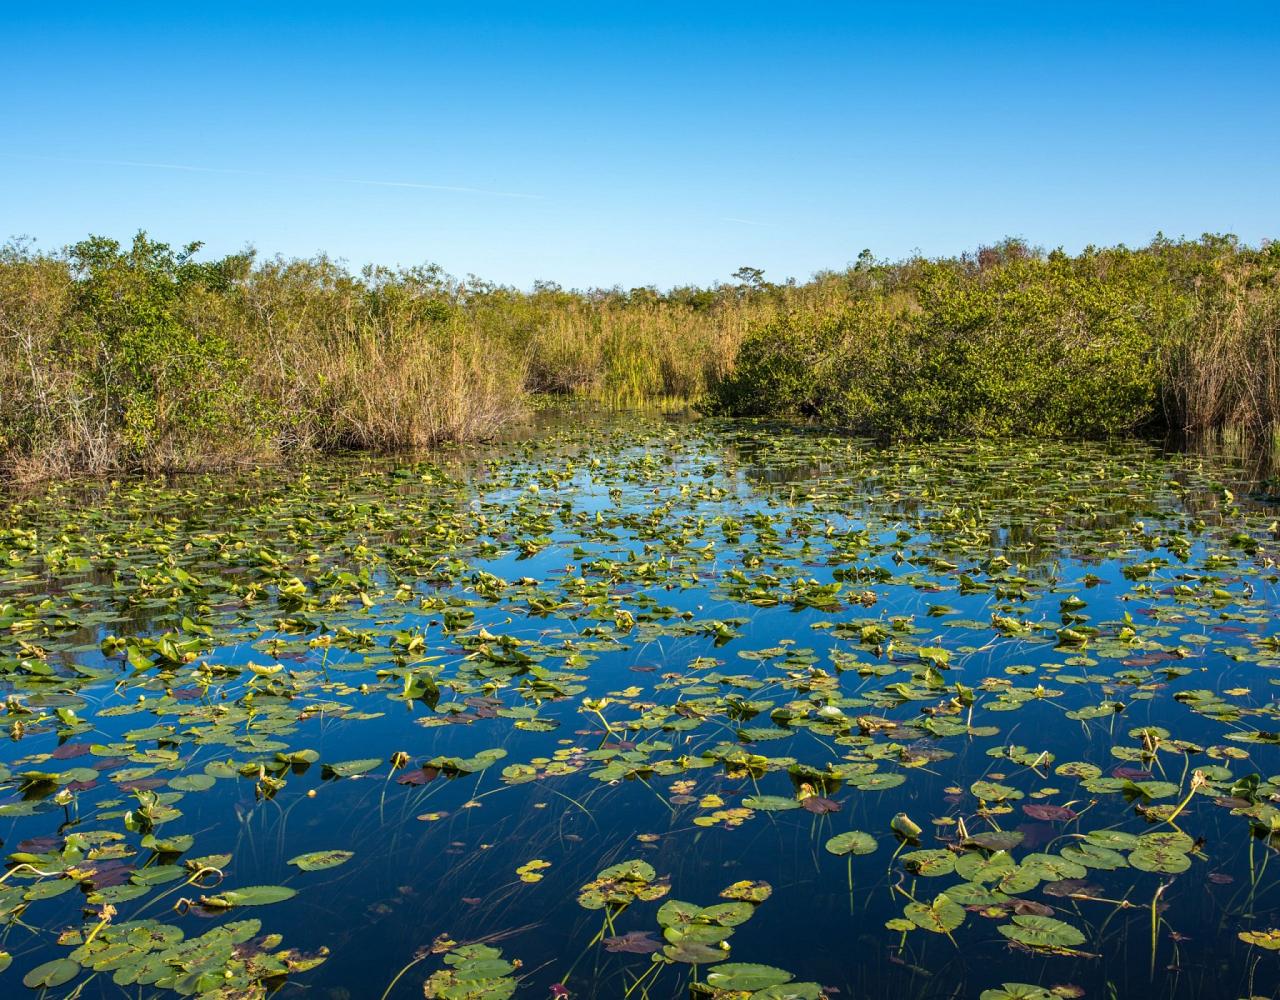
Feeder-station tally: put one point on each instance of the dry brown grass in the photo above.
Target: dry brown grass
(1224, 371)
(345, 369)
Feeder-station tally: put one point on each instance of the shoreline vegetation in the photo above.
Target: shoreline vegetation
(141, 357)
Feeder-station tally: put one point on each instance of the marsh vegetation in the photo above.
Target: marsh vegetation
(142, 357)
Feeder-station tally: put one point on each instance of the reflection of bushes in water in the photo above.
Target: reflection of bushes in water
(1184, 335)
(1033, 501)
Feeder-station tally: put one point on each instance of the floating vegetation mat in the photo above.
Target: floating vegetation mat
(646, 710)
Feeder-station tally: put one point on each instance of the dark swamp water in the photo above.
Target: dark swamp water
(640, 707)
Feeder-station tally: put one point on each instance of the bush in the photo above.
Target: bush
(1179, 335)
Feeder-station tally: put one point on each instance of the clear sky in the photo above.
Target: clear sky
(631, 143)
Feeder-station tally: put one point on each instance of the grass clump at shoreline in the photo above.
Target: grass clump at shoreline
(144, 357)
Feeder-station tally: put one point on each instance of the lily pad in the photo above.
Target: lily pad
(320, 860)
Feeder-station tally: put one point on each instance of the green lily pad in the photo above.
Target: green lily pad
(51, 974)
(1041, 932)
(746, 977)
(851, 842)
(941, 916)
(1017, 991)
(320, 860)
(253, 895)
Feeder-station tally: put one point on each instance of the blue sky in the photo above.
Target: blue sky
(621, 143)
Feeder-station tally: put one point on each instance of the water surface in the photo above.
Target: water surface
(910, 722)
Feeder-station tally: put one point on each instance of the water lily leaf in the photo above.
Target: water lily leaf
(50, 888)
(880, 781)
(1020, 878)
(750, 892)
(702, 933)
(1017, 991)
(531, 871)
(942, 916)
(633, 943)
(976, 894)
(1041, 932)
(1093, 856)
(694, 953)
(1171, 840)
(351, 768)
(1269, 939)
(991, 791)
(1115, 839)
(1052, 867)
(1049, 813)
(728, 914)
(770, 803)
(320, 860)
(51, 974)
(851, 842)
(253, 895)
(1149, 789)
(747, 978)
(931, 862)
(996, 840)
(790, 991)
(676, 912)
(192, 782)
(473, 972)
(1154, 858)
(979, 868)
(622, 884)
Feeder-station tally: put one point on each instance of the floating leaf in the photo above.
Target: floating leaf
(930, 863)
(770, 803)
(1017, 991)
(352, 768)
(633, 943)
(991, 791)
(1041, 932)
(851, 842)
(995, 840)
(253, 895)
(751, 892)
(746, 978)
(319, 860)
(51, 974)
(1269, 939)
(531, 871)
(942, 916)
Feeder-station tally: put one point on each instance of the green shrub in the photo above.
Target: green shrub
(1015, 342)
(172, 388)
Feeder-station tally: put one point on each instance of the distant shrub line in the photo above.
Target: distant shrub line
(142, 357)
(1176, 336)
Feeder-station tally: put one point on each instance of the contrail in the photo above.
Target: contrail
(191, 168)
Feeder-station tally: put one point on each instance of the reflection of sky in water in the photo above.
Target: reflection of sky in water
(415, 878)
